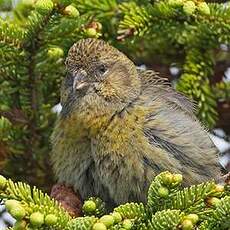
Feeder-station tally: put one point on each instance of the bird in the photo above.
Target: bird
(119, 127)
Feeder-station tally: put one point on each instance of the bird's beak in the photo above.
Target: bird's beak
(79, 81)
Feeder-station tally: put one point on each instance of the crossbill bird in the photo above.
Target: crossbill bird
(119, 127)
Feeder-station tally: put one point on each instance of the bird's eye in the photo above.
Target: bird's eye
(102, 69)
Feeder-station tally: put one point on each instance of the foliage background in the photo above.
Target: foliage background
(187, 45)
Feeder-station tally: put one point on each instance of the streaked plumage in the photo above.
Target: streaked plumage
(119, 128)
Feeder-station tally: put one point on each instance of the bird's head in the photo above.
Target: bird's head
(98, 74)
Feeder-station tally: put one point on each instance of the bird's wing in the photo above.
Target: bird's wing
(154, 86)
(176, 138)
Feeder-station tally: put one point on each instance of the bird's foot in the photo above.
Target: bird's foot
(70, 200)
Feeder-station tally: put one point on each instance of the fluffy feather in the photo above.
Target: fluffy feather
(124, 127)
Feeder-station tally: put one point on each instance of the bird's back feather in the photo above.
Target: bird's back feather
(154, 85)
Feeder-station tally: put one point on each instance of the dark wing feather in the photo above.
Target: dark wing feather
(171, 127)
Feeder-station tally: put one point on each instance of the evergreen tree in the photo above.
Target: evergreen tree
(203, 207)
(35, 36)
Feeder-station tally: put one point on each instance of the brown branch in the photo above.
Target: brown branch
(15, 116)
(128, 33)
(224, 116)
(32, 49)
